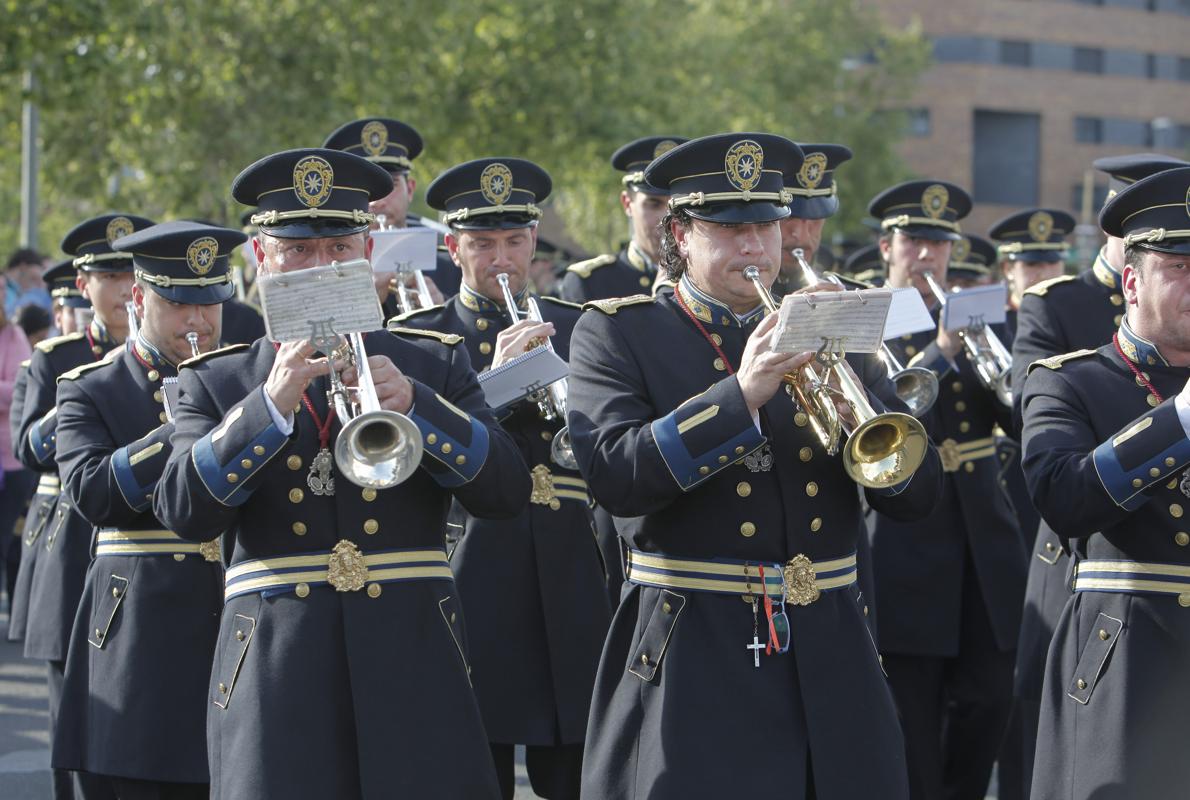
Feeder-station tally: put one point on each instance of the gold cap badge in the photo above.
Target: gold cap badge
(960, 250)
(374, 138)
(495, 183)
(313, 179)
(1041, 225)
(743, 164)
(201, 255)
(120, 226)
(663, 147)
(812, 171)
(934, 200)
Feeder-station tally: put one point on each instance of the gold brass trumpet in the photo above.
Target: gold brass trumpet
(552, 400)
(881, 450)
(985, 351)
(916, 387)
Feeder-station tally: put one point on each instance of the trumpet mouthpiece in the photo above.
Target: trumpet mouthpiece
(751, 272)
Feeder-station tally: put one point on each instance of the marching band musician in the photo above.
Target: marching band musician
(535, 650)
(340, 665)
(634, 269)
(950, 585)
(56, 585)
(147, 590)
(814, 200)
(1056, 316)
(1106, 456)
(722, 494)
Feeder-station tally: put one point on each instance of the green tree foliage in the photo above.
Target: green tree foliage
(154, 108)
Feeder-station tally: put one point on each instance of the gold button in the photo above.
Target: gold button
(910, 350)
(154, 374)
(1049, 546)
(704, 470)
(1117, 299)
(179, 557)
(296, 495)
(246, 463)
(816, 524)
(485, 347)
(957, 386)
(1175, 511)
(299, 528)
(1081, 683)
(1103, 634)
(162, 416)
(460, 460)
(482, 324)
(1182, 538)
(453, 617)
(1154, 472)
(239, 636)
(96, 349)
(739, 451)
(805, 454)
(743, 488)
(302, 589)
(748, 529)
(964, 427)
(259, 450)
(374, 590)
(546, 436)
(969, 467)
(1169, 462)
(865, 611)
(157, 398)
(644, 659)
(1184, 600)
(1171, 485)
(719, 365)
(446, 448)
(368, 494)
(800, 419)
(223, 688)
(1118, 319)
(644, 281)
(812, 489)
(960, 406)
(232, 477)
(1137, 483)
(115, 592)
(722, 459)
(371, 526)
(431, 438)
(555, 504)
(716, 338)
(294, 462)
(1153, 401)
(98, 633)
(667, 608)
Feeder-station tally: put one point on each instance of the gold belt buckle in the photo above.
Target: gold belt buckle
(543, 488)
(346, 570)
(949, 452)
(801, 582)
(210, 550)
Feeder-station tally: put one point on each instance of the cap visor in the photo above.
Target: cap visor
(739, 213)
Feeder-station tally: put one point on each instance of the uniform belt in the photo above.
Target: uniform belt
(956, 454)
(113, 542)
(345, 567)
(49, 484)
(799, 581)
(550, 489)
(1134, 577)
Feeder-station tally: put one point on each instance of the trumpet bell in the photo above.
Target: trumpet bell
(917, 388)
(378, 450)
(885, 450)
(561, 451)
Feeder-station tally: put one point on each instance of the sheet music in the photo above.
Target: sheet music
(339, 298)
(985, 304)
(169, 396)
(907, 314)
(405, 250)
(522, 376)
(852, 321)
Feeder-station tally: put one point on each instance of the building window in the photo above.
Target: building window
(1007, 158)
(1184, 69)
(1088, 130)
(1017, 54)
(1088, 59)
(917, 122)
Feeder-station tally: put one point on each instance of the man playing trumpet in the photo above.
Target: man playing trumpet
(722, 494)
(340, 666)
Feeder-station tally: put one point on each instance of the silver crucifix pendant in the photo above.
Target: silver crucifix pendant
(320, 480)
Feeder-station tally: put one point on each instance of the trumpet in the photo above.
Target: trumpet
(192, 340)
(133, 322)
(376, 448)
(985, 351)
(396, 284)
(881, 450)
(916, 387)
(552, 400)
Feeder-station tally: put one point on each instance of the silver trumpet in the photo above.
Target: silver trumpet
(376, 448)
(552, 400)
(407, 300)
(133, 321)
(985, 351)
(916, 387)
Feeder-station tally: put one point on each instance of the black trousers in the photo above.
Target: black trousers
(14, 502)
(554, 772)
(954, 711)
